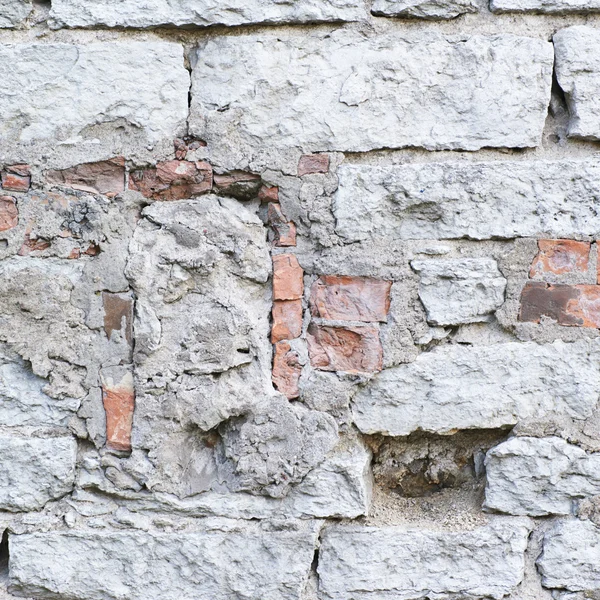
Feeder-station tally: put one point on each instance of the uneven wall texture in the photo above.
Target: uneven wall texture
(300, 299)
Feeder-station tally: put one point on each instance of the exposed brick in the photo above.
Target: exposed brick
(268, 193)
(287, 277)
(105, 177)
(33, 244)
(352, 349)
(287, 320)
(313, 163)
(173, 180)
(569, 305)
(560, 257)
(118, 307)
(238, 184)
(118, 398)
(14, 181)
(284, 230)
(182, 147)
(286, 370)
(350, 298)
(9, 213)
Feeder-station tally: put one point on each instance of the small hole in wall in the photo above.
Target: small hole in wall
(4, 556)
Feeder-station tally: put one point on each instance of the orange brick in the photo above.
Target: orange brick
(560, 257)
(286, 370)
(287, 320)
(287, 277)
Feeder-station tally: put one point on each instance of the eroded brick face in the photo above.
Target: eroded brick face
(560, 257)
(9, 213)
(105, 177)
(173, 180)
(286, 370)
(287, 320)
(118, 398)
(313, 163)
(287, 277)
(350, 298)
(118, 315)
(351, 349)
(569, 305)
(284, 230)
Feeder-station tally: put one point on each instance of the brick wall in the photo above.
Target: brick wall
(299, 300)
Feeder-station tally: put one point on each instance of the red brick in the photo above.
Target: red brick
(284, 230)
(268, 194)
(182, 147)
(22, 170)
(287, 277)
(118, 314)
(313, 163)
(351, 349)
(33, 245)
(569, 305)
(286, 370)
(173, 180)
(14, 182)
(118, 398)
(106, 177)
(287, 320)
(9, 214)
(560, 257)
(345, 298)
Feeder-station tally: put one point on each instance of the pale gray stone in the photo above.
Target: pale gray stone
(223, 561)
(129, 13)
(343, 91)
(577, 51)
(275, 446)
(13, 12)
(481, 387)
(457, 291)
(571, 557)
(537, 477)
(22, 400)
(398, 563)
(110, 93)
(34, 471)
(545, 6)
(424, 9)
(479, 200)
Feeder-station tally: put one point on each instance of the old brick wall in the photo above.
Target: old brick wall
(300, 299)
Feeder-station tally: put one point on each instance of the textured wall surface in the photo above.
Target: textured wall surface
(300, 299)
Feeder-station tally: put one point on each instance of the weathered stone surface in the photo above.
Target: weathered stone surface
(569, 305)
(537, 477)
(34, 471)
(22, 400)
(287, 320)
(571, 557)
(13, 12)
(456, 291)
(398, 563)
(458, 387)
(287, 277)
(118, 398)
(128, 13)
(354, 349)
(286, 370)
(54, 95)
(345, 298)
(276, 446)
(577, 51)
(221, 562)
(560, 257)
(104, 177)
(476, 200)
(353, 93)
(173, 180)
(242, 185)
(545, 6)
(424, 9)
(9, 213)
